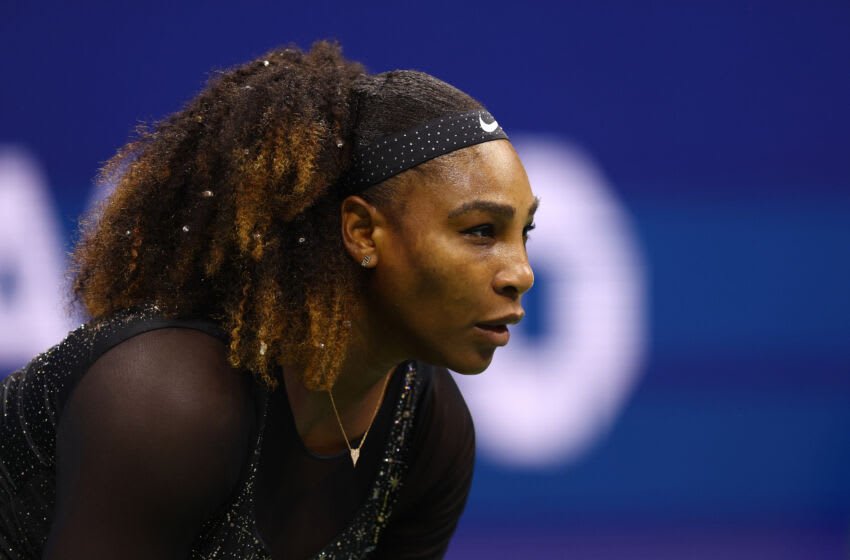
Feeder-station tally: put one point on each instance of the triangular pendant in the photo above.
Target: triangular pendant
(355, 454)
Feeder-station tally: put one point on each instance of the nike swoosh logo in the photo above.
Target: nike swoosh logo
(487, 127)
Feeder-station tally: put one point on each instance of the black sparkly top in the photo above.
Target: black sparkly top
(404, 505)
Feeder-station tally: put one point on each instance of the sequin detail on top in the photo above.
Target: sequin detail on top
(32, 398)
(233, 534)
(362, 536)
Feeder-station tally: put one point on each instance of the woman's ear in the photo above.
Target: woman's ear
(362, 224)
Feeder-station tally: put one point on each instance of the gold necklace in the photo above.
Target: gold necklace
(355, 452)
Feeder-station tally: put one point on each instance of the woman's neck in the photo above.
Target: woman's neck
(358, 388)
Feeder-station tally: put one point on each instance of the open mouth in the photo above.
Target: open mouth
(498, 335)
(494, 328)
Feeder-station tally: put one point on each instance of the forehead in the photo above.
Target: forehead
(490, 171)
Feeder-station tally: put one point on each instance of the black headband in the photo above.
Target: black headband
(399, 152)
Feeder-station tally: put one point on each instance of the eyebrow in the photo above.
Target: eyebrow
(502, 210)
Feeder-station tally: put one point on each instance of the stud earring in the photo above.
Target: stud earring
(365, 262)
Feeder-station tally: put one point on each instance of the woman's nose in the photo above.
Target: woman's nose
(516, 277)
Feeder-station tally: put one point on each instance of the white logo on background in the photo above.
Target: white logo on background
(546, 400)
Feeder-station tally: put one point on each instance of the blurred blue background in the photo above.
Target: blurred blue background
(712, 137)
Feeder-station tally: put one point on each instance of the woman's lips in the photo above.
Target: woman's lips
(496, 334)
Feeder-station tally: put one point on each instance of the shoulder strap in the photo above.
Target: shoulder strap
(118, 335)
(95, 339)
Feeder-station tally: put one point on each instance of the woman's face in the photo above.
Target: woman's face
(452, 265)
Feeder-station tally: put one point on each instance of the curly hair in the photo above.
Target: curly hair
(227, 209)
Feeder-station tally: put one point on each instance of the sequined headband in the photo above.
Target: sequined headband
(399, 152)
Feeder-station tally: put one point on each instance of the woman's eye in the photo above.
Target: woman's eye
(484, 230)
(527, 230)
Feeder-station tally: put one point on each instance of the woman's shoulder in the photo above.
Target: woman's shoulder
(154, 379)
(165, 367)
(139, 356)
(160, 421)
(147, 353)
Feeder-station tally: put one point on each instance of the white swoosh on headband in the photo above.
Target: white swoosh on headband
(487, 127)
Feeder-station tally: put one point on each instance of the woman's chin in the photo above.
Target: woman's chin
(472, 366)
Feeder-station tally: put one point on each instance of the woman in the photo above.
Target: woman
(342, 237)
